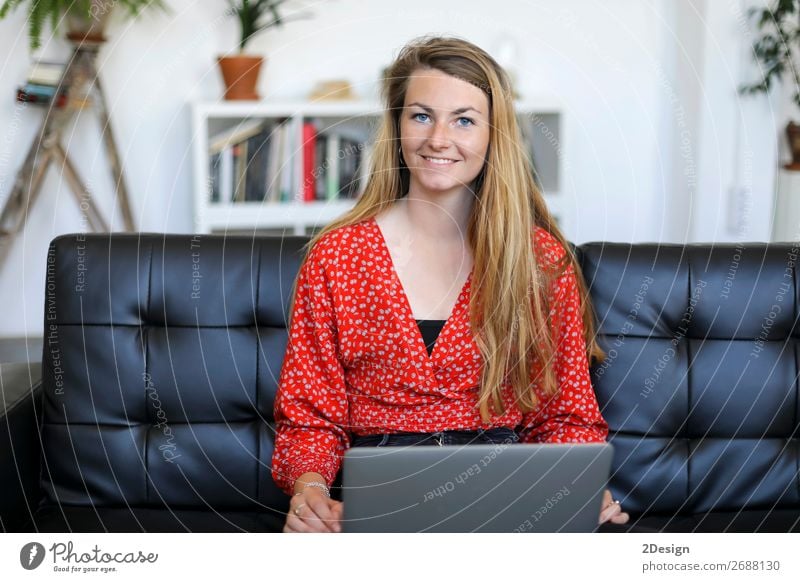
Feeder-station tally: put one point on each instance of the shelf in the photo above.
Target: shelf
(244, 109)
(274, 215)
(541, 117)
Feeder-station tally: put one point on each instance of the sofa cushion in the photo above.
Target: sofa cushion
(699, 385)
(160, 369)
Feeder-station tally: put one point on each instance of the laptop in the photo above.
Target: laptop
(514, 487)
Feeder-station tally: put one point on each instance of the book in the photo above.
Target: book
(321, 166)
(239, 170)
(288, 165)
(214, 183)
(332, 167)
(235, 135)
(349, 157)
(256, 175)
(25, 97)
(226, 180)
(40, 95)
(274, 168)
(46, 91)
(309, 161)
(46, 73)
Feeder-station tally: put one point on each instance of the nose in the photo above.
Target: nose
(439, 137)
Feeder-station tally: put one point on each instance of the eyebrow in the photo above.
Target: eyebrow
(455, 112)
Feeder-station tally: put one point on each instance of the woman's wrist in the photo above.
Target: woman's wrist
(316, 485)
(311, 480)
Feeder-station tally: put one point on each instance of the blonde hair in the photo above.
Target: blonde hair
(500, 228)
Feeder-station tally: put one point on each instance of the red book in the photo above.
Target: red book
(309, 161)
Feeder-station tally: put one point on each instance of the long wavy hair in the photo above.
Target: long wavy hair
(508, 306)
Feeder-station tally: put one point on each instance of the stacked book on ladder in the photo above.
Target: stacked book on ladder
(43, 84)
(257, 161)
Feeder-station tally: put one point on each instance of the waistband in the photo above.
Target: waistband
(445, 437)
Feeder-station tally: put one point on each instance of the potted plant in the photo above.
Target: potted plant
(85, 19)
(240, 72)
(775, 50)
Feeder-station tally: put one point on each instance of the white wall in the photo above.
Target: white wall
(680, 81)
(618, 66)
(737, 153)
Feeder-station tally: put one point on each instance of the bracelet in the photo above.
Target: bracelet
(318, 484)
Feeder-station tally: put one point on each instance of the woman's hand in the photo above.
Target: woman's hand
(612, 511)
(313, 511)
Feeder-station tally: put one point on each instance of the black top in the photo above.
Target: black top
(430, 330)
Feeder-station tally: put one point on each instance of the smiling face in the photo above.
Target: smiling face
(444, 132)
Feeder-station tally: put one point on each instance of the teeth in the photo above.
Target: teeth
(438, 160)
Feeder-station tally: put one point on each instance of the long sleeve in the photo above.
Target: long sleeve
(311, 411)
(572, 414)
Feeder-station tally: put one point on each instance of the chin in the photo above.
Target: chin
(441, 184)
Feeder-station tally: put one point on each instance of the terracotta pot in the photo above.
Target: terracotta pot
(240, 74)
(89, 27)
(793, 133)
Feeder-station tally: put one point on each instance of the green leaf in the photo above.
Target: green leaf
(41, 12)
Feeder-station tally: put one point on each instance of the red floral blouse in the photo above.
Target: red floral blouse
(356, 361)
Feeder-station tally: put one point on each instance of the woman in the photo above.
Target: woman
(411, 311)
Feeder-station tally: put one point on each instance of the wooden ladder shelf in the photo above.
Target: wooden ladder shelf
(84, 90)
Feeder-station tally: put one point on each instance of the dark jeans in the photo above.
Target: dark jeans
(500, 435)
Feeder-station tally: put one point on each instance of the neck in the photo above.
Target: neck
(441, 216)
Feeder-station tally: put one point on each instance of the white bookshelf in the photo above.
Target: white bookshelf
(542, 120)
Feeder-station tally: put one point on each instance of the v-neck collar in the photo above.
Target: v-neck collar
(407, 315)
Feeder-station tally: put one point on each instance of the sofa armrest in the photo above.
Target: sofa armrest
(20, 444)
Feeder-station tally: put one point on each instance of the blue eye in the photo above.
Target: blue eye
(418, 114)
(468, 119)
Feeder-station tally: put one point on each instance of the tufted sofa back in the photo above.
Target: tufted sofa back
(161, 362)
(700, 383)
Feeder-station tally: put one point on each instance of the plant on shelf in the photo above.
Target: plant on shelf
(85, 19)
(775, 50)
(240, 72)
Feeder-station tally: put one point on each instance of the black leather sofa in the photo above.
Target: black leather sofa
(162, 354)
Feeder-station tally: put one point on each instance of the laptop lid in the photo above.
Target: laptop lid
(511, 487)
